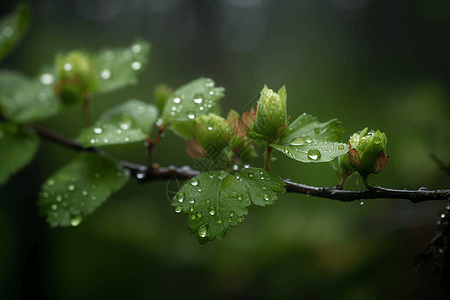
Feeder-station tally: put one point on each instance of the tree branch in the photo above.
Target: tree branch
(155, 172)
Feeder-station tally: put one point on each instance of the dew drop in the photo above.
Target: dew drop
(361, 202)
(442, 216)
(96, 175)
(176, 100)
(191, 115)
(75, 219)
(178, 209)
(266, 197)
(180, 197)
(136, 48)
(54, 207)
(219, 221)
(314, 154)
(198, 98)
(229, 220)
(222, 175)
(193, 217)
(106, 74)
(231, 213)
(51, 182)
(423, 189)
(212, 210)
(92, 141)
(239, 197)
(71, 187)
(98, 130)
(341, 147)
(286, 151)
(250, 174)
(94, 198)
(202, 231)
(136, 65)
(192, 200)
(317, 130)
(194, 181)
(67, 67)
(125, 125)
(298, 141)
(59, 198)
(240, 219)
(126, 139)
(84, 193)
(47, 79)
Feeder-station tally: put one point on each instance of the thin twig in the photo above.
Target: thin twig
(145, 173)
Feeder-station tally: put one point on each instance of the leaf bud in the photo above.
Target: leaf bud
(367, 154)
(76, 77)
(271, 114)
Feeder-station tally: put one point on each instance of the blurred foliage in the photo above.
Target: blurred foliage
(382, 66)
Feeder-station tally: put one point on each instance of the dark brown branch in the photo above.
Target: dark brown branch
(155, 172)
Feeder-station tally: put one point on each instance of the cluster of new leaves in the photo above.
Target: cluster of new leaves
(215, 199)
(79, 187)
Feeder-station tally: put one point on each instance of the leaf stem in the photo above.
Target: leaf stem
(152, 144)
(85, 109)
(268, 156)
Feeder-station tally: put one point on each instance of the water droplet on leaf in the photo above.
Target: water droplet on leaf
(194, 181)
(212, 210)
(75, 219)
(136, 65)
(98, 130)
(180, 197)
(314, 154)
(202, 231)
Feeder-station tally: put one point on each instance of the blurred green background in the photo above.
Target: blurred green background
(378, 63)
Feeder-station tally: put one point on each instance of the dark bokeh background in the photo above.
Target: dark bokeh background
(382, 64)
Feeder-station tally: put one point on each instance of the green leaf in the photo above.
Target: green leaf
(117, 68)
(194, 99)
(24, 100)
(308, 128)
(17, 148)
(129, 122)
(13, 28)
(308, 140)
(80, 187)
(216, 200)
(321, 151)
